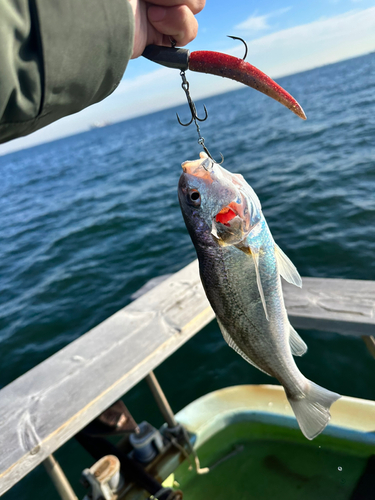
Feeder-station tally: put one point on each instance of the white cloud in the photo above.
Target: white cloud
(143, 80)
(315, 44)
(259, 23)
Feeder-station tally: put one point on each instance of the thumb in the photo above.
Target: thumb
(177, 22)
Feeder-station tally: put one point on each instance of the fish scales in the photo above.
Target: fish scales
(240, 267)
(240, 311)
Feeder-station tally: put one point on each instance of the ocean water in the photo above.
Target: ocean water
(87, 220)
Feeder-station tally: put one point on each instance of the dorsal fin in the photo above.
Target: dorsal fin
(286, 268)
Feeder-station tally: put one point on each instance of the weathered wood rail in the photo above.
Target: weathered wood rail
(48, 405)
(333, 305)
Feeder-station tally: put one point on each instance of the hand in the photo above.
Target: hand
(158, 21)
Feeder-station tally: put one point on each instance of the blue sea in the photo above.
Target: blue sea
(87, 220)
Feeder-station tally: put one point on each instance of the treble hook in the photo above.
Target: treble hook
(194, 117)
(243, 41)
(193, 109)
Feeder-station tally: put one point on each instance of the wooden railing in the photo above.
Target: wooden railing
(48, 405)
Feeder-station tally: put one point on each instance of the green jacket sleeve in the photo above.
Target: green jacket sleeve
(58, 57)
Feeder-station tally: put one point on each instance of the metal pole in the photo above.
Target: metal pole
(59, 479)
(161, 400)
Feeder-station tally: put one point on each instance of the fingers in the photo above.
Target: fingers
(194, 5)
(177, 22)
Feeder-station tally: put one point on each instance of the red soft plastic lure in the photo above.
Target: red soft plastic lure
(216, 63)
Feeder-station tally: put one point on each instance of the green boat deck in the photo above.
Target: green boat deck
(249, 438)
(271, 462)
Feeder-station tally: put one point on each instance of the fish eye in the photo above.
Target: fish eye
(194, 198)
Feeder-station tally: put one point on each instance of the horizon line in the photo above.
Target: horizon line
(140, 115)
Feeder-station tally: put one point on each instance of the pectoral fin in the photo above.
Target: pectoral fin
(297, 345)
(286, 268)
(228, 339)
(255, 255)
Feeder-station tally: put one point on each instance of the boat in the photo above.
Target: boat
(99, 124)
(239, 442)
(248, 439)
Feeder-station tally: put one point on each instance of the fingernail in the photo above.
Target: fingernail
(156, 13)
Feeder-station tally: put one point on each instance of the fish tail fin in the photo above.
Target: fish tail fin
(312, 409)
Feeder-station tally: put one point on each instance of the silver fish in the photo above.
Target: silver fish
(240, 267)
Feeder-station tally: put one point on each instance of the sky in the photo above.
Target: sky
(284, 37)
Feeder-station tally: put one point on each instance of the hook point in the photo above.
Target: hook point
(205, 117)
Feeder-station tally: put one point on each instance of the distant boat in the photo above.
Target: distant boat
(99, 124)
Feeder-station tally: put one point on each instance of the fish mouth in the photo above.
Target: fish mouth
(226, 214)
(199, 168)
